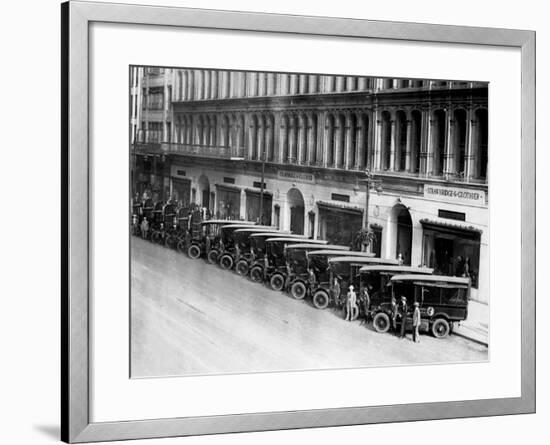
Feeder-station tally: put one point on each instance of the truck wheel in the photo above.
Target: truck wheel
(381, 322)
(194, 251)
(298, 290)
(256, 274)
(212, 257)
(440, 328)
(156, 237)
(181, 246)
(277, 282)
(242, 268)
(226, 262)
(321, 299)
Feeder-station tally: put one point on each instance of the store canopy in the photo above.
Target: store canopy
(257, 191)
(451, 226)
(339, 205)
(233, 188)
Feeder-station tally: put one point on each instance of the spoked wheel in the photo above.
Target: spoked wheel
(181, 246)
(213, 256)
(298, 290)
(277, 282)
(440, 328)
(242, 268)
(226, 262)
(194, 251)
(256, 274)
(171, 242)
(381, 322)
(156, 237)
(321, 299)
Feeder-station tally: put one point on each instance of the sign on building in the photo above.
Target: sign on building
(454, 194)
(297, 176)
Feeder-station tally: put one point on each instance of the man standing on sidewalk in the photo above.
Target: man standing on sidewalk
(403, 315)
(416, 322)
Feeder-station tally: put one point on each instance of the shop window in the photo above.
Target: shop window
(253, 207)
(311, 216)
(452, 252)
(339, 226)
(229, 204)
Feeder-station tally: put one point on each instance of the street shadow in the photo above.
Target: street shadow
(51, 431)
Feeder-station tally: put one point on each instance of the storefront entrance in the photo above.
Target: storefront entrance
(204, 192)
(253, 207)
(339, 226)
(451, 250)
(181, 191)
(229, 203)
(401, 225)
(296, 206)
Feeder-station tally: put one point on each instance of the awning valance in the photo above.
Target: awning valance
(339, 206)
(257, 191)
(231, 188)
(443, 224)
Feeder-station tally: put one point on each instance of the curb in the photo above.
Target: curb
(467, 337)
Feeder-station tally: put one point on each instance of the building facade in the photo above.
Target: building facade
(204, 136)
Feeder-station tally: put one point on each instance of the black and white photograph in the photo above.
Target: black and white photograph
(305, 221)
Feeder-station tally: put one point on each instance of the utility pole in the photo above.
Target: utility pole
(369, 182)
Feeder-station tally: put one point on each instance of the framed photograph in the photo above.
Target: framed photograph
(276, 222)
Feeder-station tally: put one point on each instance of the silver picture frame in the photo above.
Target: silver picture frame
(75, 396)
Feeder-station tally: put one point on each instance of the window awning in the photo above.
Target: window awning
(339, 206)
(449, 226)
(257, 191)
(231, 188)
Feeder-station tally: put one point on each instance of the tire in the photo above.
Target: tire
(156, 237)
(257, 274)
(321, 299)
(298, 290)
(440, 328)
(381, 322)
(213, 256)
(277, 282)
(171, 242)
(242, 268)
(194, 251)
(181, 246)
(226, 262)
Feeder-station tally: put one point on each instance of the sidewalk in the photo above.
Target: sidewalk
(476, 326)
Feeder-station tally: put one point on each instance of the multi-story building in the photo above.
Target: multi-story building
(203, 136)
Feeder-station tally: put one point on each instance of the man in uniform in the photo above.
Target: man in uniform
(416, 322)
(403, 316)
(351, 304)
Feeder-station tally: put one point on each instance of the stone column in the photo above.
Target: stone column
(338, 149)
(271, 83)
(302, 128)
(472, 142)
(362, 83)
(311, 139)
(328, 141)
(377, 158)
(349, 131)
(283, 137)
(269, 138)
(340, 84)
(303, 84)
(393, 139)
(448, 160)
(293, 84)
(408, 146)
(319, 131)
(292, 138)
(252, 143)
(426, 148)
(214, 84)
(360, 142)
(313, 83)
(261, 135)
(207, 84)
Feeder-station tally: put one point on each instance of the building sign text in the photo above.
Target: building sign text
(454, 194)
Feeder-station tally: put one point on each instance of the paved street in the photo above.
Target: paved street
(189, 317)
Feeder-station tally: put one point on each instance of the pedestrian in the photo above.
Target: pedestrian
(394, 311)
(416, 318)
(403, 316)
(311, 276)
(351, 304)
(336, 292)
(366, 301)
(144, 228)
(400, 259)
